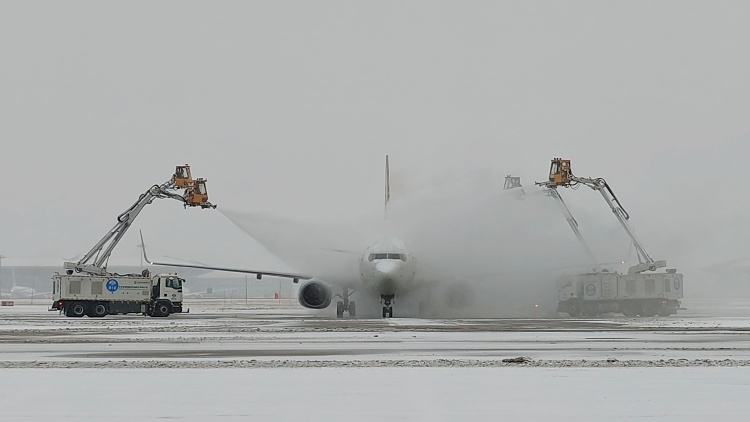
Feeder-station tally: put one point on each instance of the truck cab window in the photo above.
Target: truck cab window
(174, 283)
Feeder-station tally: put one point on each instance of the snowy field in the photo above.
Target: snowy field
(275, 361)
(376, 394)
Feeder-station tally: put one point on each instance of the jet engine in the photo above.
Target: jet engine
(315, 294)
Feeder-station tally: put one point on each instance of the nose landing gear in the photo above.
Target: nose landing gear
(387, 308)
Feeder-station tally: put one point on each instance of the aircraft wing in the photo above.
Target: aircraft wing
(206, 294)
(258, 273)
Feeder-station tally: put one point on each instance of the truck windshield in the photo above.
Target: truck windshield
(174, 282)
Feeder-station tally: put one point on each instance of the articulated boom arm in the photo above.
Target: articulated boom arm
(561, 175)
(95, 261)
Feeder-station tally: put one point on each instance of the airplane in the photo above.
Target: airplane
(386, 269)
(23, 292)
(209, 293)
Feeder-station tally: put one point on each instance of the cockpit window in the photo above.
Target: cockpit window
(394, 256)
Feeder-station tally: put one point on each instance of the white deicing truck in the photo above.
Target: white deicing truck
(97, 296)
(87, 288)
(646, 294)
(641, 292)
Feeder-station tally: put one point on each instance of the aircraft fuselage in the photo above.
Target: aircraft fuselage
(387, 269)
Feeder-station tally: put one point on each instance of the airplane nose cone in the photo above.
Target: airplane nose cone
(385, 267)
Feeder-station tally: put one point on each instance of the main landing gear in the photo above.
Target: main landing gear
(345, 305)
(387, 308)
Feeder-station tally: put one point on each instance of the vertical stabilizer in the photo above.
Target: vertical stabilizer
(387, 185)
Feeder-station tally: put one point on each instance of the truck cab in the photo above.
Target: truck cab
(167, 288)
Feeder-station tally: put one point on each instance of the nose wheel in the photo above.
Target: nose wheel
(387, 308)
(345, 305)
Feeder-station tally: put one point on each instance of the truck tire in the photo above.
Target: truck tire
(76, 310)
(630, 309)
(162, 309)
(574, 310)
(649, 310)
(590, 310)
(667, 310)
(99, 310)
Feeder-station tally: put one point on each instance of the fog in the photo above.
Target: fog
(497, 252)
(287, 108)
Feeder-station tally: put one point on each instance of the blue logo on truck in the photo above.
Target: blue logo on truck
(590, 289)
(112, 285)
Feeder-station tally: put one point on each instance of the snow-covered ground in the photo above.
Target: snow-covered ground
(376, 394)
(276, 361)
(273, 331)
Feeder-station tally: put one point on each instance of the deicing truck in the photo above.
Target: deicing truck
(642, 291)
(99, 295)
(87, 288)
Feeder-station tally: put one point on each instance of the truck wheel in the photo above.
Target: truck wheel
(591, 311)
(648, 310)
(163, 309)
(76, 310)
(99, 310)
(666, 310)
(574, 310)
(630, 310)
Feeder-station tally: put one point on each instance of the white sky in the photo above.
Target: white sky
(289, 107)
